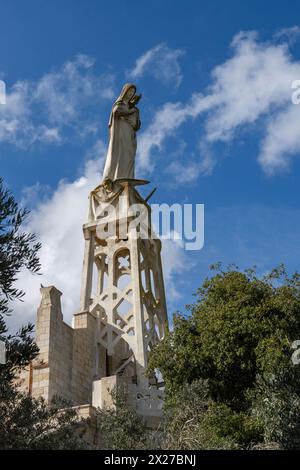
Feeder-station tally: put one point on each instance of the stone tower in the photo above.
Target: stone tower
(122, 285)
(122, 313)
(123, 309)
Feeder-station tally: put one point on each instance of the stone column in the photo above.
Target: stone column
(87, 271)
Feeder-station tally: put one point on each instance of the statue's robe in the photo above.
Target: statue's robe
(120, 158)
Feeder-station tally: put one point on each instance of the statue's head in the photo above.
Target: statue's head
(128, 92)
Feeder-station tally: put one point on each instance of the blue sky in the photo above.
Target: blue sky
(218, 125)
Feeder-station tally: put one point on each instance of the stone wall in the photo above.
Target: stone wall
(65, 365)
(84, 357)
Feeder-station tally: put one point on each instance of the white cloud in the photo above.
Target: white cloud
(64, 92)
(291, 33)
(57, 222)
(2, 92)
(61, 100)
(175, 262)
(160, 62)
(99, 148)
(255, 81)
(186, 172)
(164, 124)
(252, 86)
(281, 141)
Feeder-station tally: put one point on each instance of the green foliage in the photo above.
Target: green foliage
(28, 423)
(276, 408)
(238, 336)
(17, 249)
(195, 421)
(20, 350)
(120, 428)
(25, 423)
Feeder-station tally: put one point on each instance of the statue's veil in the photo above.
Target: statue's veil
(120, 98)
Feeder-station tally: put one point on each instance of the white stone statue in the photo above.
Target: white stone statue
(123, 123)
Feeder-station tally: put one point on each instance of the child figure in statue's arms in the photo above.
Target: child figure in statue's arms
(132, 104)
